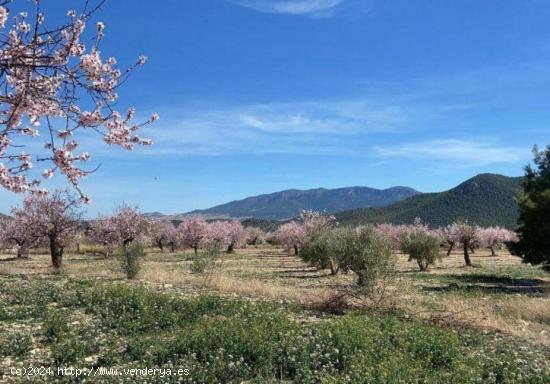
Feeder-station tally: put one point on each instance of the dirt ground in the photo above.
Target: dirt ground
(498, 294)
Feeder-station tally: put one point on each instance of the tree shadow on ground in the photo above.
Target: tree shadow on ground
(276, 256)
(304, 273)
(492, 284)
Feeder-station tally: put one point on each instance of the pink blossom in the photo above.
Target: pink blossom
(19, 233)
(494, 237)
(314, 221)
(193, 231)
(51, 218)
(3, 16)
(126, 225)
(46, 73)
(225, 234)
(290, 235)
(164, 233)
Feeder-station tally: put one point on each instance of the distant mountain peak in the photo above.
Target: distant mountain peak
(289, 203)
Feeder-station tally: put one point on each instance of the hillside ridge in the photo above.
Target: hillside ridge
(289, 203)
(486, 199)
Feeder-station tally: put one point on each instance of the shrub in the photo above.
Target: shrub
(72, 350)
(422, 247)
(131, 259)
(361, 250)
(15, 344)
(316, 251)
(55, 325)
(365, 252)
(205, 261)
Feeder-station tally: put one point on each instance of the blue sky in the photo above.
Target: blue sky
(257, 96)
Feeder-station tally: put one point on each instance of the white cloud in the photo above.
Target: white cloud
(299, 128)
(293, 7)
(478, 151)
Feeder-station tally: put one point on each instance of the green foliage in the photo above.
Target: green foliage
(360, 250)
(72, 350)
(534, 206)
(366, 253)
(131, 259)
(486, 200)
(55, 325)
(17, 344)
(206, 260)
(421, 247)
(316, 251)
(223, 340)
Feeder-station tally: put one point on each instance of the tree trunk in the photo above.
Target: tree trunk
(451, 246)
(333, 268)
(78, 247)
(230, 248)
(296, 250)
(467, 255)
(161, 246)
(22, 252)
(195, 248)
(422, 265)
(126, 242)
(56, 251)
(172, 247)
(107, 253)
(493, 253)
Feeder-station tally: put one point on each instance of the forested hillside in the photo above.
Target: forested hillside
(486, 199)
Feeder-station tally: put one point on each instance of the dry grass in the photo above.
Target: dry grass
(499, 293)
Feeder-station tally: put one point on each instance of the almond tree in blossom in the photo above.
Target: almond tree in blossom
(103, 231)
(392, 232)
(254, 236)
(466, 235)
(236, 235)
(162, 234)
(54, 218)
(290, 235)
(193, 231)
(55, 86)
(174, 238)
(448, 235)
(216, 235)
(129, 224)
(314, 221)
(19, 233)
(494, 237)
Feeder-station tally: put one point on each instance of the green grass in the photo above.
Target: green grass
(222, 340)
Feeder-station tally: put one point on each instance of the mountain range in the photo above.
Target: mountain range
(486, 199)
(288, 204)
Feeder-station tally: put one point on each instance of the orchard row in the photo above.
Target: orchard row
(55, 221)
